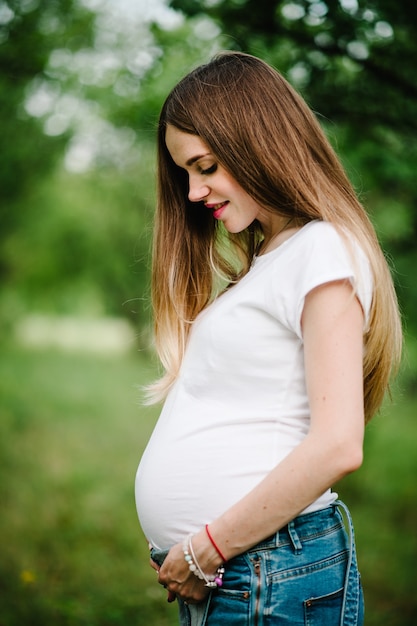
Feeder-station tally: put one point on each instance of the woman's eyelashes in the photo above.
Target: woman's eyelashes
(209, 170)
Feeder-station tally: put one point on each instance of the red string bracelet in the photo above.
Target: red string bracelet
(215, 546)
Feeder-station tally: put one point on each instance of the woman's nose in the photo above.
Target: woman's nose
(197, 191)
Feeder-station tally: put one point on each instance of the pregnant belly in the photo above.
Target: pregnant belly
(184, 483)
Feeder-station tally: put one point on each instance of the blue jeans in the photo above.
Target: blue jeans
(304, 575)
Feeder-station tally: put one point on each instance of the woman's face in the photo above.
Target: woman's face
(211, 184)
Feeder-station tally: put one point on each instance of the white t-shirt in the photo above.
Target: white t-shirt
(240, 405)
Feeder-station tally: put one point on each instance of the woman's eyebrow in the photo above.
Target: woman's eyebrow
(196, 158)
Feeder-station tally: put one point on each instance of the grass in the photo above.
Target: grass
(72, 431)
(71, 435)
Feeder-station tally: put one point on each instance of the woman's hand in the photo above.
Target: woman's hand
(176, 576)
(155, 566)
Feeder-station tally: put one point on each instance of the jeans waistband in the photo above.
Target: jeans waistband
(302, 527)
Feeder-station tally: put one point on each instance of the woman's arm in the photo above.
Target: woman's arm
(332, 324)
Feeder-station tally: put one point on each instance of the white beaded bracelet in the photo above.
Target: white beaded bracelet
(210, 580)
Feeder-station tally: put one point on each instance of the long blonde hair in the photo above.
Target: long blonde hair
(265, 135)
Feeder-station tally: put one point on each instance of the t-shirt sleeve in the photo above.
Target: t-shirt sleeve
(318, 257)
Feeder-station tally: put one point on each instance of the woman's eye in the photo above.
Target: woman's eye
(210, 170)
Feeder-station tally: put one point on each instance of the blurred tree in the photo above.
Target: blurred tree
(354, 58)
(80, 93)
(29, 31)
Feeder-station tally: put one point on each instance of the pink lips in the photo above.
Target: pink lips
(217, 212)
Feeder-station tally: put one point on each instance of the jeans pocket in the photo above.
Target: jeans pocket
(324, 609)
(231, 603)
(231, 607)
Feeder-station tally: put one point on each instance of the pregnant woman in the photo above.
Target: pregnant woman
(277, 326)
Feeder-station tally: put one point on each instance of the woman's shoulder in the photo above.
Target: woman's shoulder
(323, 243)
(317, 243)
(319, 253)
(319, 229)
(316, 234)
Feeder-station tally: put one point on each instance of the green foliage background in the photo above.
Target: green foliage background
(87, 77)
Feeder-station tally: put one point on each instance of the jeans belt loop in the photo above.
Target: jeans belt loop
(295, 540)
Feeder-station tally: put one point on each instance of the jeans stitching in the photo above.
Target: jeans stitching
(304, 570)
